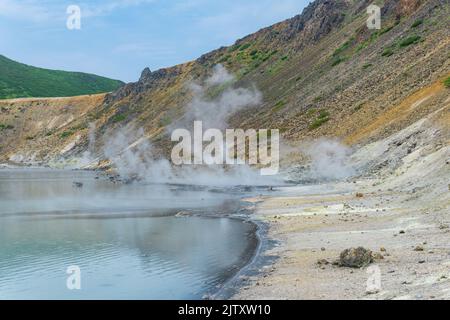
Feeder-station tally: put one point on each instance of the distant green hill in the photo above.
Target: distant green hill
(19, 80)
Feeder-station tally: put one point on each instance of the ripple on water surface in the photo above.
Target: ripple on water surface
(143, 257)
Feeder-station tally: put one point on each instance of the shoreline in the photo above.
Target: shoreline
(398, 217)
(408, 236)
(251, 269)
(239, 212)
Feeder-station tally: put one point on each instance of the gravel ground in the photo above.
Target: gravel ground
(400, 212)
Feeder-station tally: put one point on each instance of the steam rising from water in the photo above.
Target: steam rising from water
(132, 154)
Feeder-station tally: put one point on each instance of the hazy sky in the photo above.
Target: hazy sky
(119, 38)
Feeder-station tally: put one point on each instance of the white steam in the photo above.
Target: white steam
(214, 112)
(329, 160)
(219, 76)
(88, 157)
(132, 154)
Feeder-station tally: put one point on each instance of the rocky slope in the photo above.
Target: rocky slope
(321, 73)
(399, 210)
(35, 129)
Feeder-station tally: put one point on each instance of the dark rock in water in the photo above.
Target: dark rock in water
(355, 257)
(183, 214)
(77, 184)
(131, 179)
(114, 179)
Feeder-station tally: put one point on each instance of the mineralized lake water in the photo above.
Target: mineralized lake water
(124, 238)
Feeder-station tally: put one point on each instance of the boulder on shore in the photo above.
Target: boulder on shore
(355, 257)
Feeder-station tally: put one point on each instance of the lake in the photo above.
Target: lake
(125, 239)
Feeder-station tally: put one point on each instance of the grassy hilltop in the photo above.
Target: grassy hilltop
(19, 80)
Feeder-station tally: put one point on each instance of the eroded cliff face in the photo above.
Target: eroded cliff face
(321, 73)
(39, 130)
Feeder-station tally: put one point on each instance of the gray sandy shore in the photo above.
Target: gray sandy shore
(401, 213)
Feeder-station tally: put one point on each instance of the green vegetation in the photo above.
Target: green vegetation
(277, 66)
(318, 122)
(385, 30)
(343, 47)
(373, 36)
(417, 23)
(226, 58)
(367, 65)
(6, 127)
(337, 57)
(268, 55)
(447, 82)
(66, 134)
(251, 60)
(118, 117)
(409, 40)
(366, 42)
(18, 80)
(324, 116)
(361, 46)
(234, 48)
(279, 105)
(387, 52)
(256, 59)
(337, 60)
(245, 46)
(311, 112)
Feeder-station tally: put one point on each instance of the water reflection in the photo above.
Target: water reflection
(47, 225)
